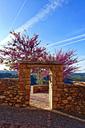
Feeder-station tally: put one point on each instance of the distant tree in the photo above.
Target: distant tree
(24, 48)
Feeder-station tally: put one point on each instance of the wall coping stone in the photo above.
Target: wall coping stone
(39, 63)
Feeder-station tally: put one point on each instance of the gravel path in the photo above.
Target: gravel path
(36, 117)
(11, 117)
(40, 100)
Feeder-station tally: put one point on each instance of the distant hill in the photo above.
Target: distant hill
(81, 74)
(14, 74)
(78, 76)
(8, 71)
(8, 74)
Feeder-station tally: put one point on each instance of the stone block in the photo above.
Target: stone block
(65, 101)
(55, 99)
(40, 88)
(69, 98)
(56, 106)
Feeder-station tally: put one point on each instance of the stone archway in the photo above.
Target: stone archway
(55, 85)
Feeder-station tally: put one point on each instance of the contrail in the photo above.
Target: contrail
(71, 42)
(66, 40)
(44, 12)
(38, 17)
(18, 13)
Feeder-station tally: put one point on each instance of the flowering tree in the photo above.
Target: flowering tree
(25, 48)
(68, 60)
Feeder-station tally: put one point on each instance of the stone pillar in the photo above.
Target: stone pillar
(27, 82)
(24, 81)
(56, 86)
(50, 88)
(21, 79)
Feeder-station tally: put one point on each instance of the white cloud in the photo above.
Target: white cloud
(81, 64)
(5, 40)
(3, 66)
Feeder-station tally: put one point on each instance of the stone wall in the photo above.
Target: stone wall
(72, 99)
(9, 93)
(40, 88)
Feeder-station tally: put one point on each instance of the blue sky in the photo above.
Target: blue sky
(63, 22)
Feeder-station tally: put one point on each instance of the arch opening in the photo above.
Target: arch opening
(55, 80)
